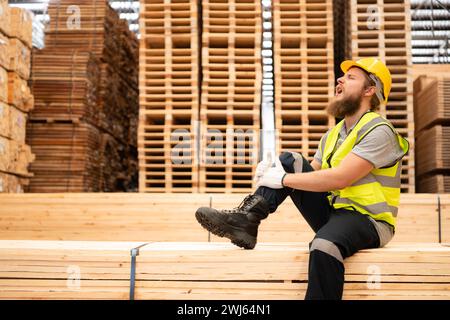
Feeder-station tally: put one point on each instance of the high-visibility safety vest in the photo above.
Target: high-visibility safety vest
(378, 193)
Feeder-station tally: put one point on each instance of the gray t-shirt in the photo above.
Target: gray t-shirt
(381, 148)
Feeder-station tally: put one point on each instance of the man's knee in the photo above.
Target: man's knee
(327, 247)
(292, 161)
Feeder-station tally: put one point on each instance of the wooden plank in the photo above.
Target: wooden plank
(445, 215)
(21, 25)
(4, 121)
(4, 51)
(19, 94)
(3, 85)
(5, 18)
(19, 58)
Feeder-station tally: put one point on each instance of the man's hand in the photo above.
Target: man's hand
(262, 167)
(272, 177)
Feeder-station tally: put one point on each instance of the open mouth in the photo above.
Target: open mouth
(339, 90)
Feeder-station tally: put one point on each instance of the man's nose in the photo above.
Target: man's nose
(340, 80)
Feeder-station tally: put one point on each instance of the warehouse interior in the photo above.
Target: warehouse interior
(119, 118)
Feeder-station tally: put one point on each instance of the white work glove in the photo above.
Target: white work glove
(262, 167)
(272, 177)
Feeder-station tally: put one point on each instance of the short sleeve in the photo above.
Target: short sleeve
(380, 147)
(318, 155)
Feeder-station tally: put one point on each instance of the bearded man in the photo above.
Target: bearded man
(349, 193)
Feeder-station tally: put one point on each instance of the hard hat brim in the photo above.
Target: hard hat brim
(347, 64)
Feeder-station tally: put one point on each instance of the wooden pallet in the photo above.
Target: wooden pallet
(168, 97)
(99, 270)
(304, 77)
(168, 149)
(390, 40)
(432, 153)
(231, 95)
(431, 101)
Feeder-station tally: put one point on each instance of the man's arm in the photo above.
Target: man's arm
(351, 169)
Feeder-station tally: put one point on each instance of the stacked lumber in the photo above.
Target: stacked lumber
(68, 270)
(102, 270)
(168, 96)
(170, 217)
(304, 73)
(432, 118)
(231, 95)
(85, 85)
(382, 29)
(67, 156)
(16, 100)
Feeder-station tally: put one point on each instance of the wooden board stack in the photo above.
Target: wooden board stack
(432, 117)
(170, 217)
(231, 95)
(16, 100)
(382, 29)
(186, 270)
(168, 96)
(85, 85)
(304, 73)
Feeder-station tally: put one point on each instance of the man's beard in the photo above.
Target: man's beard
(344, 107)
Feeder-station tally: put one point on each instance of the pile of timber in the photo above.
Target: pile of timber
(16, 100)
(51, 265)
(432, 118)
(170, 217)
(102, 270)
(85, 87)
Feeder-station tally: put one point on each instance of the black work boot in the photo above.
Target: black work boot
(240, 224)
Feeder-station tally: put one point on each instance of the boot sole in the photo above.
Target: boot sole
(237, 237)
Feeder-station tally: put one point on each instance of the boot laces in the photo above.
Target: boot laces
(244, 206)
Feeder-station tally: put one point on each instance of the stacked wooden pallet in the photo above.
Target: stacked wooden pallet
(85, 84)
(231, 95)
(432, 115)
(169, 96)
(304, 73)
(102, 270)
(15, 98)
(382, 29)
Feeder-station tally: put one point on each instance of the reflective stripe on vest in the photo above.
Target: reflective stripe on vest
(378, 193)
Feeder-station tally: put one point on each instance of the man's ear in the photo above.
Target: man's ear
(369, 91)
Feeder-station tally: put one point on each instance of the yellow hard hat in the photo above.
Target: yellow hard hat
(372, 66)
